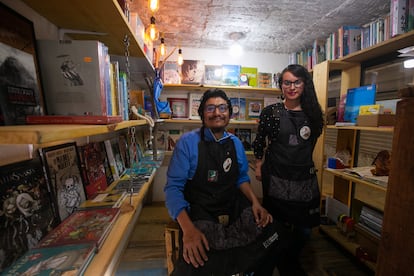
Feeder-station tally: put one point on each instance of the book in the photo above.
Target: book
(251, 73)
(60, 260)
(245, 136)
(20, 87)
(62, 169)
(194, 103)
(83, 226)
(239, 108)
(179, 108)
(348, 40)
(172, 138)
(230, 74)
(254, 107)
(80, 119)
(213, 74)
(171, 73)
(93, 162)
(73, 76)
(131, 184)
(123, 87)
(192, 72)
(114, 157)
(124, 150)
(398, 16)
(271, 100)
(365, 173)
(355, 97)
(264, 80)
(28, 213)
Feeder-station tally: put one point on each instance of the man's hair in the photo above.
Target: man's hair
(213, 93)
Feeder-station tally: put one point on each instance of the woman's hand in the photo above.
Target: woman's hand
(261, 215)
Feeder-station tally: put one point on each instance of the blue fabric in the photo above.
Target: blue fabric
(183, 165)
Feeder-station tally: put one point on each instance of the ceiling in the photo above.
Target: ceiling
(268, 26)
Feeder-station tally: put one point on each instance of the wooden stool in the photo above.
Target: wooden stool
(171, 244)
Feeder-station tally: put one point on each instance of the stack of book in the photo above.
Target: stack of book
(371, 220)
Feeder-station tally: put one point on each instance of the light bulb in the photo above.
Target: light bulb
(180, 59)
(162, 47)
(152, 31)
(153, 5)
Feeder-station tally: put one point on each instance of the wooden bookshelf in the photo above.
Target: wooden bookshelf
(203, 88)
(41, 134)
(349, 244)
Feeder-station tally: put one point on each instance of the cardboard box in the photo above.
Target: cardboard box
(376, 120)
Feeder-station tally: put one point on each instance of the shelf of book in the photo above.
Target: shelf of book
(203, 88)
(106, 260)
(365, 128)
(388, 46)
(41, 134)
(108, 21)
(198, 122)
(380, 185)
(348, 244)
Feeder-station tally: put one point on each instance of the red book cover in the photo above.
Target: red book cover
(93, 164)
(83, 226)
(86, 119)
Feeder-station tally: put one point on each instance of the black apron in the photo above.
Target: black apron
(290, 185)
(222, 212)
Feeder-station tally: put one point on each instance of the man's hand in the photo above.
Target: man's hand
(195, 245)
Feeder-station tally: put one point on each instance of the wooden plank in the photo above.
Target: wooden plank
(41, 134)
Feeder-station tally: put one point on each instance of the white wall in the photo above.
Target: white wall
(269, 63)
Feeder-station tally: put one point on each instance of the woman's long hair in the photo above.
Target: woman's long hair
(309, 100)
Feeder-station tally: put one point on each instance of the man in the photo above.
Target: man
(223, 227)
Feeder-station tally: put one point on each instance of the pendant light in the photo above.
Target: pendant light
(153, 5)
(180, 59)
(162, 47)
(152, 32)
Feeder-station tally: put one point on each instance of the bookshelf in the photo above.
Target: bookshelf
(42, 134)
(106, 18)
(344, 187)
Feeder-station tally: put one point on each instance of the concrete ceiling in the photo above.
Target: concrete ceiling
(268, 26)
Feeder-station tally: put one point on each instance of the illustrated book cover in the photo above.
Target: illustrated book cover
(83, 226)
(239, 108)
(264, 80)
(194, 105)
(251, 73)
(253, 108)
(93, 163)
(73, 74)
(230, 74)
(20, 87)
(355, 97)
(61, 260)
(62, 166)
(213, 74)
(171, 73)
(114, 157)
(192, 72)
(245, 136)
(27, 209)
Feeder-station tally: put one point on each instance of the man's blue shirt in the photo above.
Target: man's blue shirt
(183, 166)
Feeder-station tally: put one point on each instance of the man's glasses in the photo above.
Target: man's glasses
(296, 83)
(211, 108)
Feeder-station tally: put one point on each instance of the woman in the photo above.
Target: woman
(286, 138)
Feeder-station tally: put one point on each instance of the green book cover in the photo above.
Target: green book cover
(251, 73)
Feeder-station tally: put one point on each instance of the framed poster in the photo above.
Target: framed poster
(20, 87)
(179, 107)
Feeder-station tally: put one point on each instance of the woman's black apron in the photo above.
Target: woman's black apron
(221, 211)
(290, 189)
